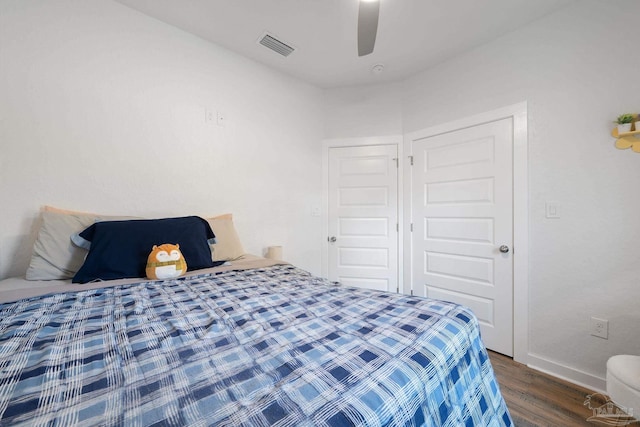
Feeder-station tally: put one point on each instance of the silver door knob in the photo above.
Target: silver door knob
(332, 239)
(504, 249)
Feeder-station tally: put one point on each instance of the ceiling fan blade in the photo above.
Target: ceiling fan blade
(367, 26)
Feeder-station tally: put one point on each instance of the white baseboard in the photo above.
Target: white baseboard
(567, 373)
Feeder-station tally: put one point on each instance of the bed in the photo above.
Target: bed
(253, 342)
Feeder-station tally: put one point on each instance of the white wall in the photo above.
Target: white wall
(369, 110)
(102, 110)
(578, 70)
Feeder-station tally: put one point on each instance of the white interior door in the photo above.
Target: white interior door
(462, 214)
(363, 216)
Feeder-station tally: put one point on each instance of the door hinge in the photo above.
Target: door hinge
(397, 227)
(411, 160)
(411, 292)
(412, 227)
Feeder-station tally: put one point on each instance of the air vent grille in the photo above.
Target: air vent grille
(276, 45)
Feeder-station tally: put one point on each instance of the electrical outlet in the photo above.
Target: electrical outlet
(599, 327)
(208, 115)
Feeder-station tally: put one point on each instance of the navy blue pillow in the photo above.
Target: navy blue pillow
(119, 249)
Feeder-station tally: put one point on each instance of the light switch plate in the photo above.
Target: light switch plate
(220, 118)
(552, 210)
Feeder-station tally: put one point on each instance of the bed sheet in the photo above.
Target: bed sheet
(15, 288)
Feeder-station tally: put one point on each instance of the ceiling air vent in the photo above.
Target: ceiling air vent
(275, 45)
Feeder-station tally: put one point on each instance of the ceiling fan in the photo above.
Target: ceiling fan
(368, 13)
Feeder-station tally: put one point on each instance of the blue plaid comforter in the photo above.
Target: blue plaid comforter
(271, 346)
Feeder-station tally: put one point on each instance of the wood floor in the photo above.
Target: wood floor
(537, 399)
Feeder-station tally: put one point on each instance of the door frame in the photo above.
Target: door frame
(327, 144)
(520, 251)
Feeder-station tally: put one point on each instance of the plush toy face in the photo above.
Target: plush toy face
(166, 262)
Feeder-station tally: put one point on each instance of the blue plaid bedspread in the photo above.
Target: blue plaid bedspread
(271, 346)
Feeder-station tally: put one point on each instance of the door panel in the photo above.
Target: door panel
(363, 227)
(365, 197)
(462, 212)
(363, 216)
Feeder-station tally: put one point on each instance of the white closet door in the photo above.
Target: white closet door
(462, 213)
(363, 216)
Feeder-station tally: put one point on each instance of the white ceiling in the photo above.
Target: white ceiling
(413, 35)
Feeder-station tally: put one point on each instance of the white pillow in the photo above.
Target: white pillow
(228, 246)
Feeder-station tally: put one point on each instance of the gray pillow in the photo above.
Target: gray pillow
(54, 255)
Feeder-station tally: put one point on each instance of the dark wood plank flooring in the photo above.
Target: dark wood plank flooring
(538, 399)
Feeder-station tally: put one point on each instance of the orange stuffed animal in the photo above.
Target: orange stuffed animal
(165, 262)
